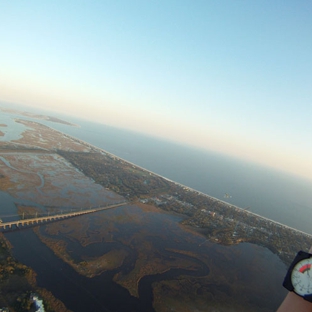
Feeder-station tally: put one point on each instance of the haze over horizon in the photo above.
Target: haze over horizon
(232, 77)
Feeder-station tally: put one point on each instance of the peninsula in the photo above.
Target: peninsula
(59, 173)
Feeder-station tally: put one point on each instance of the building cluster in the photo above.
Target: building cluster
(227, 224)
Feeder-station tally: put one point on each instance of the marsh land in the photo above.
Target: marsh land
(171, 248)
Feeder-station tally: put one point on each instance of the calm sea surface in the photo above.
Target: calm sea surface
(273, 194)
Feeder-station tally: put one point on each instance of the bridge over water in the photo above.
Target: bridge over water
(40, 220)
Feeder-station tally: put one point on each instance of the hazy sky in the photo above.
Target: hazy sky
(231, 76)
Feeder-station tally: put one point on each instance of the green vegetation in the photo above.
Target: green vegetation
(117, 175)
(18, 282)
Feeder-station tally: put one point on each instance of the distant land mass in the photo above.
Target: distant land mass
(170, 248)
(37, 116)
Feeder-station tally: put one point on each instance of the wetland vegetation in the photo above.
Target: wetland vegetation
(221, 222)
(170, 248)
(18, 282)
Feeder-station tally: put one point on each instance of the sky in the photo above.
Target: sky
(229, 76)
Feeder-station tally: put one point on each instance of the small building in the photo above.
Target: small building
(37, 302)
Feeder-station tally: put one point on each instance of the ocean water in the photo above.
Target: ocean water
(276, 195)
(273, 194)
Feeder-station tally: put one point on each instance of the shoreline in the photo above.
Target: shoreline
(101, 150)
(180, 184)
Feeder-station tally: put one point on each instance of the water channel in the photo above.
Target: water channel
(255, 266)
